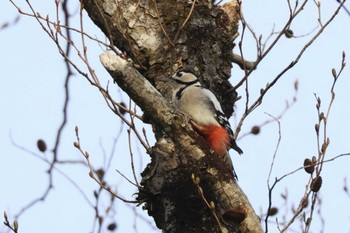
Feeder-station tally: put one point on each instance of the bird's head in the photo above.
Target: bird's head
(185, 78)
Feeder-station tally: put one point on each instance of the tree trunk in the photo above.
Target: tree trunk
(185, 188)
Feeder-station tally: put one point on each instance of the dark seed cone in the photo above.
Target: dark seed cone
(316, 184)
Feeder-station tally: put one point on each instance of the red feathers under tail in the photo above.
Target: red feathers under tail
(216, 136)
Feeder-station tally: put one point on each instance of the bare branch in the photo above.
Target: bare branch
(13, 227)
(142, 91)
(91, 170)
(344, 7)
(263, 91)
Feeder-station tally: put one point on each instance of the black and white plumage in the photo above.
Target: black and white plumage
(205, 111)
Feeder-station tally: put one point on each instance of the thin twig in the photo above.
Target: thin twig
(210, 205)
(292, 64)
(344, 7)
(264, 54)
(45, 160)
(277, 180)
(288, 105)
(66, 82)
(161, 25)
(189, 15)
(13, 228)
(271, 167)
(91, 172)
(126, 178)
(132, 159)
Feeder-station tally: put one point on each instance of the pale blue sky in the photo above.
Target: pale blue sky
(32, 99)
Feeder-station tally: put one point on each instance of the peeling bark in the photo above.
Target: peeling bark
(159, 36)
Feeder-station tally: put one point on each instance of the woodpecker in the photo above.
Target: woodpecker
(208, 119)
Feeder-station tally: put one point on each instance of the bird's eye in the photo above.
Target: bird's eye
(179, 74)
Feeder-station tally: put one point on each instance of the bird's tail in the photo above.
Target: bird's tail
(229, 162)
(235, 147)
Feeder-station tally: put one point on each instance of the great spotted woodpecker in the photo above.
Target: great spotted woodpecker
(206, 113)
